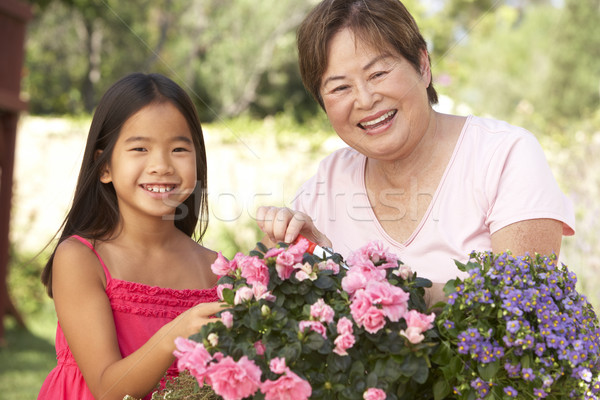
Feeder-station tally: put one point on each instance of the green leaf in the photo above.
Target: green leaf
(488, 371)
(372, 380)
(422, 283)
(291, 352)
(422, 372)
(256, 253)
(441, 389)
(324, 282)
(228, 295)
(450, 286)
(261, 246)
(314, 341)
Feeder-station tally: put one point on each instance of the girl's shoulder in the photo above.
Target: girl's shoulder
(203, 258)
(74, 260)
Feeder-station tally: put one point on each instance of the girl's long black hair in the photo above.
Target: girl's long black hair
(94, 213)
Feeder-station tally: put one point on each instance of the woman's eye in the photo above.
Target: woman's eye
(379, 74)
(340, 88)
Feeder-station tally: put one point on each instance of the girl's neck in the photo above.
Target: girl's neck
(149, 235)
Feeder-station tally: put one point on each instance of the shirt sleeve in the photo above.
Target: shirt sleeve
(520, 186)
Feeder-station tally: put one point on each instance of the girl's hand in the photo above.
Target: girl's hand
(191, 321)
(282, 224)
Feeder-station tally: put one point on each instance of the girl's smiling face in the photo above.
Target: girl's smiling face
(376, 101)
(153, 164)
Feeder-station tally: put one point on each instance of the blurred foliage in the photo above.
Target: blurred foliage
(24, 282)
(505, 58)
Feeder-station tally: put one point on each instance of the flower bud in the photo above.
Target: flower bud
(213, 339)
(265, 310)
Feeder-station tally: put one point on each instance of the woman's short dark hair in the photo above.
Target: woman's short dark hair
(384, 24)
(94, 213)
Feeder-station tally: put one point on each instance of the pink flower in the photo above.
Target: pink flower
(321, 311)
(373, 253)
(374, 394)
(344, 326)
(374, 320)
(287, 387)
(298, 249)
(305, 271)
(346, 339)
(227, 319)
(393, 300)
(254, 270)
(192, 356)
(259, 347)
(243, 294)
(358, 277)
(416, 324)
(416, 319)
(403, 272)
(234, 380)
(220, 289)
(274, 252)
(284, 265)
(260, 292)
(343, 343)
(313, 325)
(221, 266)
(277, 365)
(329, 265)
(365, 313)
(413, 334)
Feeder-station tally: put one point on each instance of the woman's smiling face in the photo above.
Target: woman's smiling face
(376, 101)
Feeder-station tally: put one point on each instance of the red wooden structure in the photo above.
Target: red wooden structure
(14, 15)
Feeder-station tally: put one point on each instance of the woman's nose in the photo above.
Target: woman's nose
(365, 96)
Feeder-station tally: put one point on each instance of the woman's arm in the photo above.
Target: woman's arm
(543, 236)
(86, 318)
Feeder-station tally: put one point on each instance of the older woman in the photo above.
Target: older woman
(432, 187)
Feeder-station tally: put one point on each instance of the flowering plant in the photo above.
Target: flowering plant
(517, 328)
(302, 326)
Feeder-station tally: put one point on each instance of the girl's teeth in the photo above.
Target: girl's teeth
(159, 189)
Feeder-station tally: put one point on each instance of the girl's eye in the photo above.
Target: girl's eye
(138, 149)
(180, 150)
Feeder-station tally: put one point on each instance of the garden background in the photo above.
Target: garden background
(534, 63)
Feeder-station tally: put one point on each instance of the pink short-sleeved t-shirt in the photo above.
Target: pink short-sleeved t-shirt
(497, 175)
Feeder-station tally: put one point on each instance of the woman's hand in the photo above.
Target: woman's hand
(281, 224)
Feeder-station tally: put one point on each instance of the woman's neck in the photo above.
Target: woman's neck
(399, 172)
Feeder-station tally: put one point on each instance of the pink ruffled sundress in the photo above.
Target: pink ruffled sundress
(139, 311)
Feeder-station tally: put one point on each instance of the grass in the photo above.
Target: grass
(28, 356)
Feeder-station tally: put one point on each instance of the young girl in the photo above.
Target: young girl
(126, 276)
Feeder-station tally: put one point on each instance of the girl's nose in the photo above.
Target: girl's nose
(160, 164)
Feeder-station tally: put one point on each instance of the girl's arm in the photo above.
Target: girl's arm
(86, 318)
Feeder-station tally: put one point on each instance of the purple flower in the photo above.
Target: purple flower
(513, 326)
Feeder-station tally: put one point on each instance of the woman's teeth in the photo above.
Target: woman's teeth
(377, 121)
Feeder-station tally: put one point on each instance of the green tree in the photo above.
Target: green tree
(573, 88)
